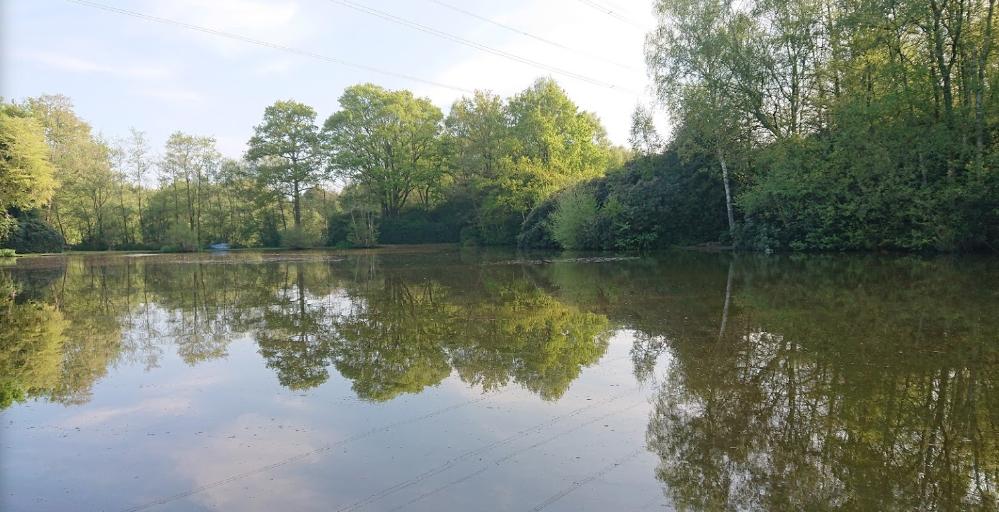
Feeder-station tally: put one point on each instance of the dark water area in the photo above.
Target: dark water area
(450, 379)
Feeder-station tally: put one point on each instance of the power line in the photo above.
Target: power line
(472, 44)
(267, 44)
(612, 13)
(616, 5)
(478, 46)
(530, 35)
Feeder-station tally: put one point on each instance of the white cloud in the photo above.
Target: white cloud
(276, 22)
(64, 62)
(75, 64)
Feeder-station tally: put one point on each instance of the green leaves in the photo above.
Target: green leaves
(846, 126)
(26, 173)
(522, 152)
(286, 150)
(573, 220)
(386, 141)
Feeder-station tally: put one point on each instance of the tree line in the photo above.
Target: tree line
(808, 125)
(410, 174)
(797, 125)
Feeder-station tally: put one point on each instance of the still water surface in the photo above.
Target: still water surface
(447, 379)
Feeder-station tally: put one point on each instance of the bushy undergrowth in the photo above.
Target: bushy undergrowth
(33, 235)
(653, 202)
(180, 238)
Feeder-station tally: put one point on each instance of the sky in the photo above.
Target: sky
(123, 71)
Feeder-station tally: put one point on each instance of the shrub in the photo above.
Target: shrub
(32, 235)
(180, 238)
(270, 235)
(663, 201)
(469, 236)
(417, 226)
(574, 217)
(7, 253)
(358, 228)
(865, 187)
(298, 238)
(652, 202)
(337, 228)
(536, 231)
(363, 229)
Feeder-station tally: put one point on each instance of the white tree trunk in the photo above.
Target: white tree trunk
(728, 299)
(728, 192)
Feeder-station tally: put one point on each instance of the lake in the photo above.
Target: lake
(441, 378)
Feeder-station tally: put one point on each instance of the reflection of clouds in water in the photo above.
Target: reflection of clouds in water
(491, 325)
(147, 408)
(807, 364)
(299, 402)
(225, 467)
(188, 382)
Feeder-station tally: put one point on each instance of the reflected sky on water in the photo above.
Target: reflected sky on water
(443, 378)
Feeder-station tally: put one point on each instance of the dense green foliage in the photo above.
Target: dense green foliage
(472, 177)
(286, 153)
(572, 220)
(839, 125)
(32, 234)
(410, 175)
(653, 202)
(389, 143)
(440, 224)
(25, 171)
(805, 125)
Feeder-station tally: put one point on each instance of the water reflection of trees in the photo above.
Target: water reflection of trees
(74, 341)
(820, 383)
(31, 335)
(393, 331)
(389, 329)
(838, 384)
(494, 329)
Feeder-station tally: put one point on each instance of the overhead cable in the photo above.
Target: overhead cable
(267, 44)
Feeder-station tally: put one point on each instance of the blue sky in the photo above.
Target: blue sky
(121, 71)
